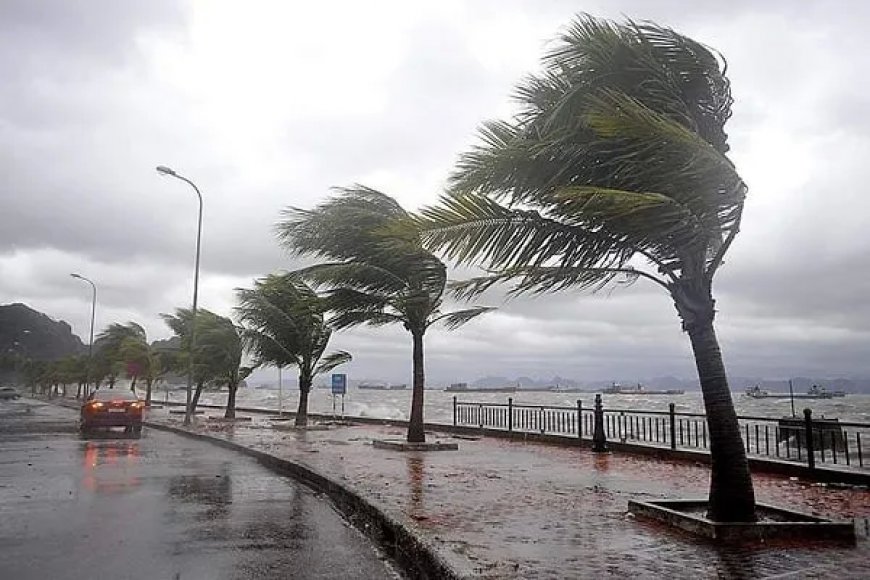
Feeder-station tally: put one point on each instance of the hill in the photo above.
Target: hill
(29, 333)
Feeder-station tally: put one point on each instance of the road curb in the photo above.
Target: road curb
(413, 555)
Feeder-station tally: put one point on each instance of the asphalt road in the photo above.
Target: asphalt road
(158, 507)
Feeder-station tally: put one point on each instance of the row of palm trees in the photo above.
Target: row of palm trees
(614, 170)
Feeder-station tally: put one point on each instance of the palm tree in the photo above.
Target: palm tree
(180, 324)
(220, 344)
(284, 325)
(218, 354)
(113, 342)
(614, 169)
(143, 361)
(378, 271)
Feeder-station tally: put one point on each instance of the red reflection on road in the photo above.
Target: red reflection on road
(105, 467)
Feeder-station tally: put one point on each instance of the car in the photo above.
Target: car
(8, 393)
(106, 408)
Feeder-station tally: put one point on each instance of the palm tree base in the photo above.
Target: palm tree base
(773, 523)
(402, 445)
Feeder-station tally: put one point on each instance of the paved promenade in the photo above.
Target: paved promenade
(502, 509)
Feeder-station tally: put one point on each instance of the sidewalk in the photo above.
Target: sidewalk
(502, 509)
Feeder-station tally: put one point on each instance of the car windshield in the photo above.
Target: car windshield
(114, 395)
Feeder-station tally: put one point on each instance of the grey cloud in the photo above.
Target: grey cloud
(85, 118)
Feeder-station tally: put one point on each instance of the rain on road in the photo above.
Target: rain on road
(158, 507)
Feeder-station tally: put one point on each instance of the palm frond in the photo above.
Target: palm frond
(453, 320)
(350, 318)
(472, 228)
(331, 361)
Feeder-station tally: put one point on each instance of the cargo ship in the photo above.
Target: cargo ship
(464, 388)
(617, 389)
(379, 386)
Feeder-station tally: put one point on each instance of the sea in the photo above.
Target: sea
(438, 404)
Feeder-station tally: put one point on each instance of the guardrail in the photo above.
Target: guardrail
(798, 439)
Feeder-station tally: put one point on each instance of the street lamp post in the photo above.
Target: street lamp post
(163, 170)
(91, 341)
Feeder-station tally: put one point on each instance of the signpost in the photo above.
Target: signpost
(339, 387)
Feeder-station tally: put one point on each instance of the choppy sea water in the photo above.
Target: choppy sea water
(439, 403)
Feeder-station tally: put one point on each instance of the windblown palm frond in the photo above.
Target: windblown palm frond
(618, 152)
(457, 318)
(330, 361)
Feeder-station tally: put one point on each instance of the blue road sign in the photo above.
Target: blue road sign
(339, 384)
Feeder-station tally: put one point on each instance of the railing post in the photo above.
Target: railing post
(454, 410)
(510, 414)
(808, 425)
(673, 418)
(599, 440)
(579, 419)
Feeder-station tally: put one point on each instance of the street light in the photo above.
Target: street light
(163, 170)
(91, 341)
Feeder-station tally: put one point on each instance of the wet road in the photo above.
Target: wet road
(158, 507)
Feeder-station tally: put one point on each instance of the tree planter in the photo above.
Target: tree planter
(219, 419)
(773, 523)
(402, 445)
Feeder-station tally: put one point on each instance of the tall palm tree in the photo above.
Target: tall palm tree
(378, 271)
(614, 169)
(284, 325)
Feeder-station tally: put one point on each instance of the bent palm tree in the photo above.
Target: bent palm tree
(220, 345)
(616, 160)
(378, 272)
(203, 367)
(283, 326)
(111, 344)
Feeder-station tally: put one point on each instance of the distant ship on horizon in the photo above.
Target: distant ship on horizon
(617, 389)
(464, 388)
(814, 392)
(381, 386)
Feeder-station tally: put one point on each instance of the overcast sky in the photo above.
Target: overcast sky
(269, 104)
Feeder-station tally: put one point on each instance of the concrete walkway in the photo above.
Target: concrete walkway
(503, 509)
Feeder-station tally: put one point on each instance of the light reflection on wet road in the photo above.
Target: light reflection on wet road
(158, 507)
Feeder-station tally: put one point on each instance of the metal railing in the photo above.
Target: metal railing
(799, 439)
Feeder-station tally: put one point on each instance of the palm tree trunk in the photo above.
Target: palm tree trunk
(304, 388)
(133, 384)
(732, 497)
(231, 400)
(416, 432)
(148, 383)
(195, 400)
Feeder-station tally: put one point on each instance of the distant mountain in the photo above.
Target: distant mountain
(26, 333)
(29, 333)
